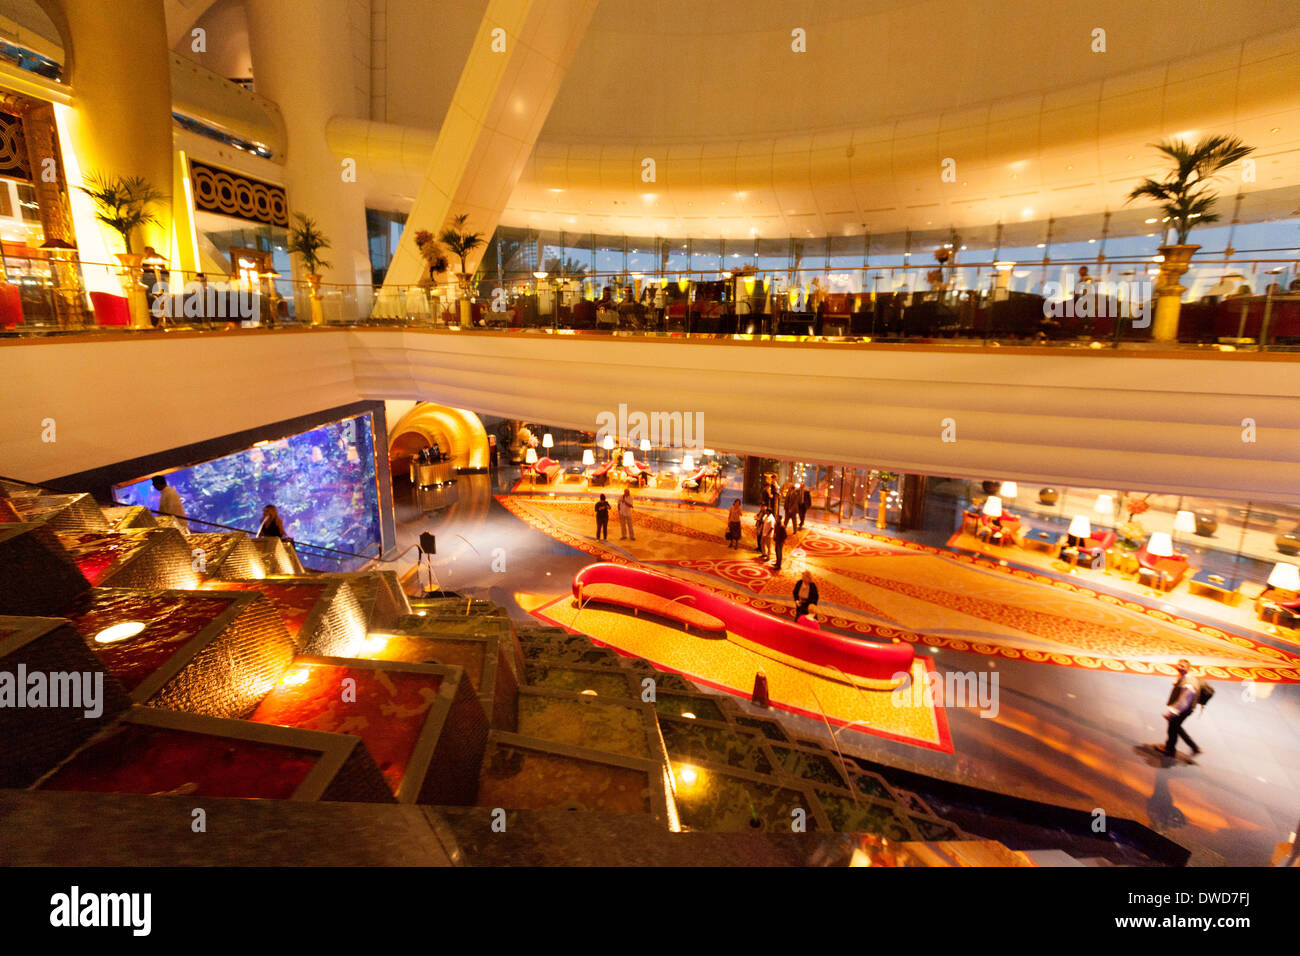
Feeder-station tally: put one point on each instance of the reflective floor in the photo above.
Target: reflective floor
(1066, 733)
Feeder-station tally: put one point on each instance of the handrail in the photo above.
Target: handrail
(188, 519)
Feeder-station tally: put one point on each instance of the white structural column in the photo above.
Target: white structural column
(515, 68)
(302, 62)
(121, 123)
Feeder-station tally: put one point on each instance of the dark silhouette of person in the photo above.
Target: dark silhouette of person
(1182, 701)
(602, 519)
(778, 539)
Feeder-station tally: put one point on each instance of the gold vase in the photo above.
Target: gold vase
(884, 505)
(1169, 291)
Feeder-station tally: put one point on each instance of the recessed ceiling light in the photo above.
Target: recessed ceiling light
(119, 632)
(555, 189)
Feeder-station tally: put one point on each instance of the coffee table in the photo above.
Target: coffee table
(1215, 586)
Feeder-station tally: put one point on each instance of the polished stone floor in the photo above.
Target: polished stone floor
(1065, 735)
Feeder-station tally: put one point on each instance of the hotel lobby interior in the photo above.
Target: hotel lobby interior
(757, 452)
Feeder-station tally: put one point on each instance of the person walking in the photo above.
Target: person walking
(733, 525)
(805, 502)
(805, 594)
(602, 519)
(170, 507)
(791, 516)
(625, 516)
(778, 539)
(1182, 701)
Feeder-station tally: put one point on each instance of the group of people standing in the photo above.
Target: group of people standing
(780, 511)
(625, 509)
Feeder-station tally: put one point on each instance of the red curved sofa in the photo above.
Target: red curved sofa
(1171, 569)
(546, 469)
(831, 655)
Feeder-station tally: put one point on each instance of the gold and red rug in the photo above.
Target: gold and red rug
(878, 586)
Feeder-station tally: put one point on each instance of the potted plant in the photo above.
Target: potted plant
(307, 241)
(122, 204)
(1185, 197)
(461, 242)
(433, 257)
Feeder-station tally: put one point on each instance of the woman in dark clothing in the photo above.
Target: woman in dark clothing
(733, 525)
(271, 527)
(805, 594)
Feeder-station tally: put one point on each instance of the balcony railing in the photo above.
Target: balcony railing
(968, 304)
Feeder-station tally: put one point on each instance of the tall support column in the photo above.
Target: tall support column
(120, 70)
(301, 61)
(515, 68)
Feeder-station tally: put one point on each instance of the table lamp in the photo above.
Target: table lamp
(588, 458)
(609, 442)
(548, 441)
(530, 456)
(645, 444)
(1105, 505)
(993, 507)
(1285, 577)
(1008, 489)
(1160, 545)
(1080, 530)
(629, 460)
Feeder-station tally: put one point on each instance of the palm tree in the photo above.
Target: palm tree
(307, 241)
(1184, 195)
(459, 242)
(122, 204)
(565, 267)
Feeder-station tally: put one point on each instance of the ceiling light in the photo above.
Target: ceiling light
(119, 632)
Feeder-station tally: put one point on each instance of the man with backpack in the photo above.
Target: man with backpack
(1186, 694)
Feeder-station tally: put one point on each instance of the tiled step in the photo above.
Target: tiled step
(162, 752)
(74, 697)
(422, 723)
(527, 773)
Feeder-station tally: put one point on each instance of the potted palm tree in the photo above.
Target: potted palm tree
(307, 241)
(1185, 197)
(461, 242)
(122, 204)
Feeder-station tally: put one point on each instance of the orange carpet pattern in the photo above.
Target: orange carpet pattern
(878, 586)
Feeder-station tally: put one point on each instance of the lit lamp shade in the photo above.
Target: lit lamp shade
(1184, 521)
(645, 444)
(587, 457)
(1008, 489)
(530, 456)
(1105, 505)
(993, 507)
(1285, 576)
(1079, 527)
(629, 460)
(548, 441)
(688, 462)
(609, 443)
(1160, 545)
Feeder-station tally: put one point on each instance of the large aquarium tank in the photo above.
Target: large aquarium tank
(322, 481)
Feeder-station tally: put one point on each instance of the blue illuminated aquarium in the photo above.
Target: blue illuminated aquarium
(322, 481)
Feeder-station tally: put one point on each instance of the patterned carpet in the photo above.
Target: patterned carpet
(884, 587)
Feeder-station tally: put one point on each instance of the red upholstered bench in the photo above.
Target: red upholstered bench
(1169, 571)
(837, 657)
(639, 600)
